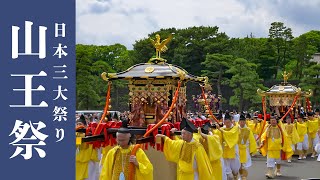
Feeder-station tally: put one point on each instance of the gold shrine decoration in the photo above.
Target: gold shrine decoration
(159, 45)
(207, 105)
(308, 93)
(137, 146)
(286, 76)
(149, 69)
(181, 74)
(106, 76)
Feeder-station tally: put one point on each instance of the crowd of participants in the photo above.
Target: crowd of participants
(214, 150)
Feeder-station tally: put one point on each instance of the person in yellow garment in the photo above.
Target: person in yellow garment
(254, 126)
(317, 115)
(274, 142)
(303, 142)
(313, 127)
(317, 148)
(247, 146)
(190, 156)
(212, 145)
(87, 161)
(116, 163)
(293, 136)
(230, 136)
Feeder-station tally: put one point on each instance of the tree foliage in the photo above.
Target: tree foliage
(216, 66)
(311, 80)
(233, 65)
(281, 38)
(91, 62)
(244, 83)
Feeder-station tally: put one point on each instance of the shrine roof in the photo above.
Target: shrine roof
(284, 89)
(154, 71)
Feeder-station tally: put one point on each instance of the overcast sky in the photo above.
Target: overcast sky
(106, 22)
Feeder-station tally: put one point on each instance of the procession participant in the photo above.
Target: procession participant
(254, 126)
(230, 136)
(115, 117)
(248, 118)
(317, 112)
(293, 136)
(87, 160)
(220, 118)
(212, 145)
(303, 143)
(317, 115)
(116, 163)
(313, 127)
(317, 148)
(247, 146)
(236, 116)
(190, 156)
(274, 142)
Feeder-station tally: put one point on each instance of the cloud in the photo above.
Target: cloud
(106, 22)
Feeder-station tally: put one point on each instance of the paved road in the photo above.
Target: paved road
(297, 170)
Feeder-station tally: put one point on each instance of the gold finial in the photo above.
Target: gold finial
(181, 74)
(104, 76)
(286, 76)
(161, 46)
(207, 85)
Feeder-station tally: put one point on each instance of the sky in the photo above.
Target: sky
(106, 22)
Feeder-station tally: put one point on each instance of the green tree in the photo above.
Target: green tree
(311, 80)
(266, 62)
(244, 82)
(247, 48)
(87, 97)
(313, 37)
(91, 62)
(281, 37)
(187, 49)
(303, 51)
(215, 68)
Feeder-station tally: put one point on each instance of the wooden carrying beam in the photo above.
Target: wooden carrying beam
(133, 130)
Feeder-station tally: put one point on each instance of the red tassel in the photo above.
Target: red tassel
(148, 128)
(283, 155)
(308, 104)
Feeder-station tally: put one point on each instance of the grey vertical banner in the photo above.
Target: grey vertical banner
(37, 62)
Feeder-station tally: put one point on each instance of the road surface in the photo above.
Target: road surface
(296, 170)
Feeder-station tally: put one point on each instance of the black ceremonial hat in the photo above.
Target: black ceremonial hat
(273, 116)
(124, 127)
(227, 116)
(248, 116)
(219, 116)
(301, 115)
(310, 113)
(115, 116)
(242, 118)
(187, 125)
(205, 128)
(82, 120)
